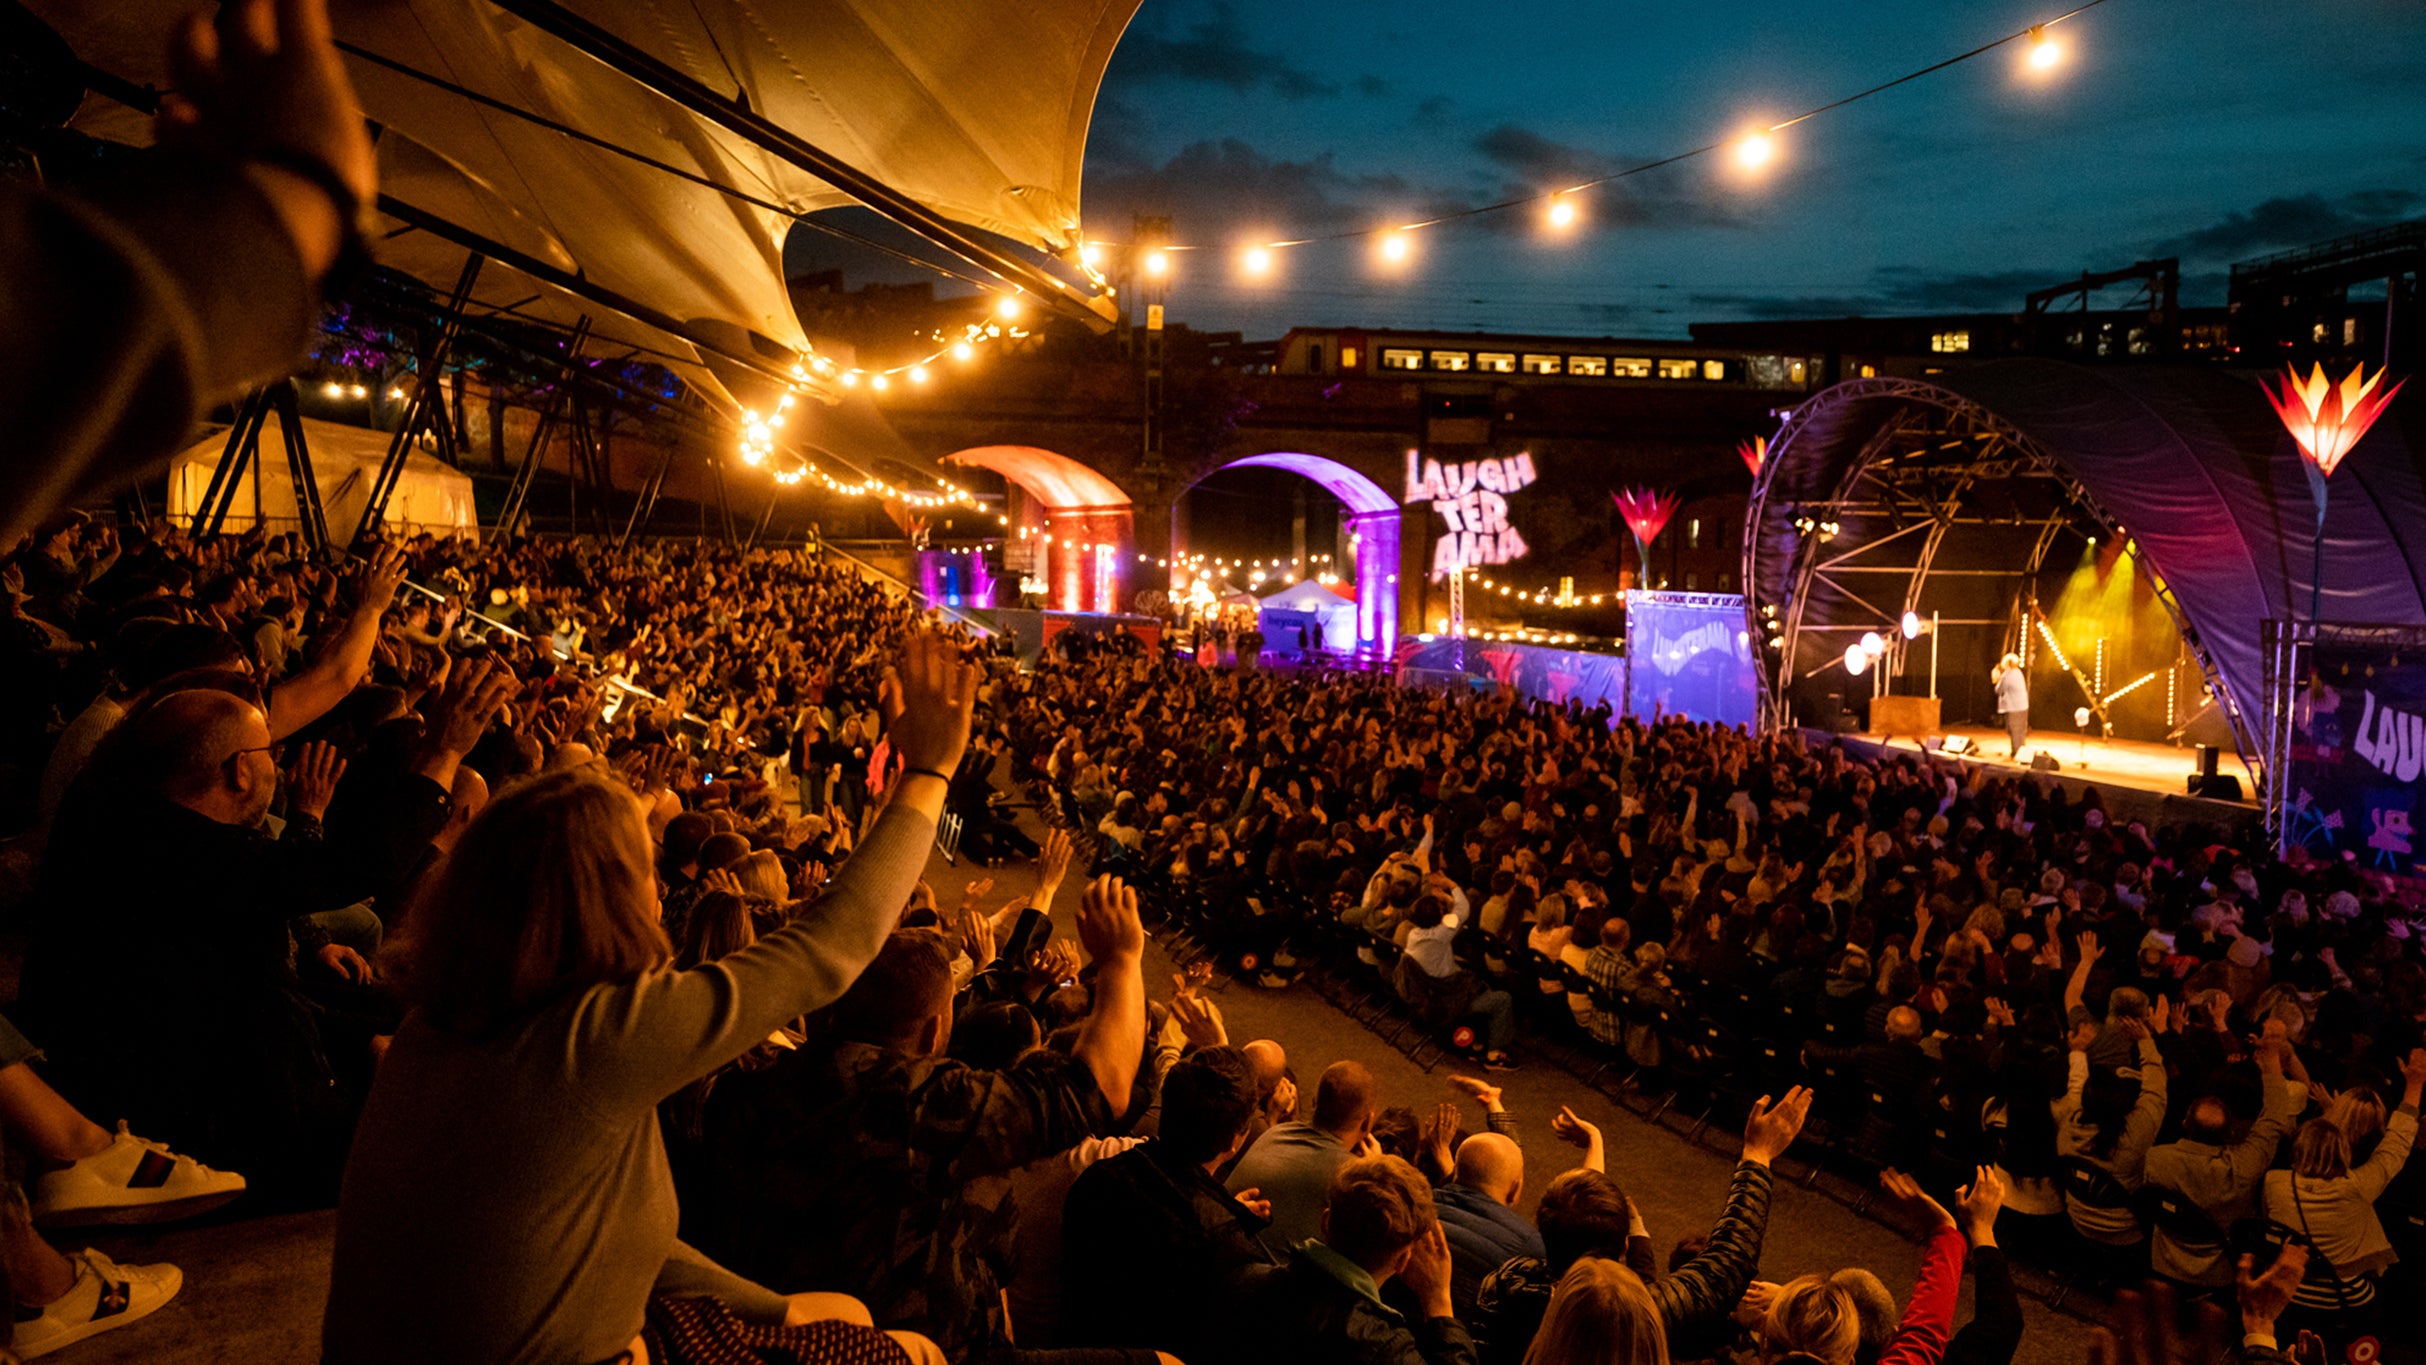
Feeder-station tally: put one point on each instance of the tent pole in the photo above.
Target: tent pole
(417, 412)
(308, 511)
(518, 493)
(230, 469)
(647, 502)
(722, 110)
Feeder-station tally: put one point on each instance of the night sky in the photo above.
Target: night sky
(2215, 130)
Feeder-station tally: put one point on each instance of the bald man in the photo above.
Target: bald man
(1292, 1163)
(163, 966)
(1478, 1212)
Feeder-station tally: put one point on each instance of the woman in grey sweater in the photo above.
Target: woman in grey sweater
(507, 1197)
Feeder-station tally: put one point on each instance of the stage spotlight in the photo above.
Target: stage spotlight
(2080, 716)
(1912, 625)
(1855, 660)
(1873, 643)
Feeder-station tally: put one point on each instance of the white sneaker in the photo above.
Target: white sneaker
(133, 1180)
(105, 1295)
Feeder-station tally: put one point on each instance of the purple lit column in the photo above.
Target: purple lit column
(1376, 596)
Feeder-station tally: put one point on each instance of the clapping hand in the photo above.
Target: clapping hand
(1199, 1021)
(312, 779)
(1976, 1205)
(1906, 1191)
(1769, 1132)
(1482, 1092)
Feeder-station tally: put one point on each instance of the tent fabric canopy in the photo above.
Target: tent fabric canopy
(429, 495)
(2191, 464)
(979, 112)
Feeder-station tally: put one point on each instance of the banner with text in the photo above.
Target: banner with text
(2358, 748)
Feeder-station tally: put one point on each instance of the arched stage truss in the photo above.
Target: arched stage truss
(1372, 517)
(1952, 495)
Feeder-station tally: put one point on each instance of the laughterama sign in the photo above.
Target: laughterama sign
(1472, 499)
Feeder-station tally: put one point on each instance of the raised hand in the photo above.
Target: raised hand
(1427, 1272)
(312, 779)
(1200, 1021)
(1769, 1132)
(1440, 1136)
(1906, 1191)
(2090, 952)
(1108, 923)
(929, 707)
(1052, 864)
(1482, 1092)
(1976, 1205)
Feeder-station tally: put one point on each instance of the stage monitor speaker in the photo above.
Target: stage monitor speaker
(2044, 762)
(1955, 744)
(2216, 786)
(2207, 760)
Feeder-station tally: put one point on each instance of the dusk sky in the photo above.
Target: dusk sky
(2215, 130)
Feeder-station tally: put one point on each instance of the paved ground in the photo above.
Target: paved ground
(254, 1289)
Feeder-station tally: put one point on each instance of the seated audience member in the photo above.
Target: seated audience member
(1584, 1214)
(1292, 1164)
(1600, 1314)
(2329, 1204)
(2213, 1180)
(202, 929)
(1152, 1245)
(869, 1134)
(1325, 1307)
(1477, 1204)
(508, 1165)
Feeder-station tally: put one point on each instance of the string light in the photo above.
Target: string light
(2045, 52)
(1753, 150)
(1008, 309)
(918, 374)
(1256, 260)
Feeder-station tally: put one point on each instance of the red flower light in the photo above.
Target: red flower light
(2328, 419)
(1755, 453)
(1646, 512)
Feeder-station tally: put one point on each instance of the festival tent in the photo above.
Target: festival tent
(554, 138)
(1309, 601)
(429, 496)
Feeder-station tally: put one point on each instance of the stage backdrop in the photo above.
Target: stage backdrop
(1691, 658)
(2358, 748)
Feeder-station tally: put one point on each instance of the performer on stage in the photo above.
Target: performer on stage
(2012, 700)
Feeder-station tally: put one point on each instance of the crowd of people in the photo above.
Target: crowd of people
(569, 899)
(559, 919)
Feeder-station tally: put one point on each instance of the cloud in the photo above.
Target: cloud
(1532, 164)
(1216, 190)
(1896, 291)
(1433, 112)
(2288, 222)
(1213, 51)
(1372, 87)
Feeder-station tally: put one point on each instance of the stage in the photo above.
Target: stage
(2140, 779)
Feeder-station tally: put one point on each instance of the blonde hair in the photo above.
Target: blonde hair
(550, 890)
(1814, 1317)
(2321, 1151)
(1600, 1314)
(761, 875)
(2359, 1113)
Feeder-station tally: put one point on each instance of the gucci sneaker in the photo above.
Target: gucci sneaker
(133, 1180)
(105, 1295)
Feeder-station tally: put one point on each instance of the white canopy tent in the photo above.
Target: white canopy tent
(1336, 613)
(429, 496)
(975, 114)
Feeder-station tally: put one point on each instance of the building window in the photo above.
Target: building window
(1393, 358)
(1869, 371)
(1347, 357)
(1950, 343)
(1452, 360)
(1679, 369)
(1542, 364)
(1497, 362)
(1631, 367)
(1726, 582)
(1714, 369)
(2350, 331)
(1587, 364)
(1314, 357)
(1693, 534)
(1693, 582)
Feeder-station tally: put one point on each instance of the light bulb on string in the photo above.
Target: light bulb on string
(2045, 53)
(1561, 213)
(1008, 309)
(918, 374)
(1090, 255)
(1256, 260)
(1394, 247)
(1158, 262)
(962, 350)
(850, 379)
(879, 382)
(1755, 150)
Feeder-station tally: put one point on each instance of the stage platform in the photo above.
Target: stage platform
(2139, 779)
